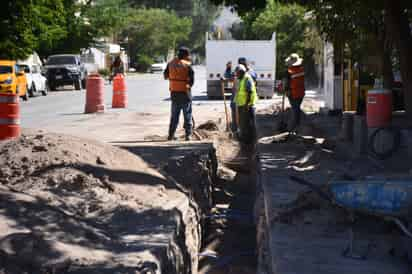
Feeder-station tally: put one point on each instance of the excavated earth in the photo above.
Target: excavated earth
(70, 205)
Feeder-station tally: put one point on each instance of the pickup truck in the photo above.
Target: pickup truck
(65, 69)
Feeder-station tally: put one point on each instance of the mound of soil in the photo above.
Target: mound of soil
(70, 205)
(209, 125)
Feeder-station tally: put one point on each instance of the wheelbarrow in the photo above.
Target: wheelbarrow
(388, 199)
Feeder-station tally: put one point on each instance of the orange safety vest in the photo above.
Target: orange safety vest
(179, 75)
(297, 82)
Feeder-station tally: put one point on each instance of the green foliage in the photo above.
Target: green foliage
(202, 13)
(104, 72)
(144, 62)
(27, 25)
(152, 32)
(289, 24)
(287, 20)
(65, 26)
(106, 17)
(243, 6)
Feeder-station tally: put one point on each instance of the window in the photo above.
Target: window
(25, 67)
(62, 60)
(35, 69)
(6, 69)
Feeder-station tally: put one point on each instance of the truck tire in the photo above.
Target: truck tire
(32, 91)
(84, 83)
(46, 89)
(77, 85)
(51, 86)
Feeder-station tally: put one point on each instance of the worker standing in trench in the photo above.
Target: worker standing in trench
(246, 99)
(181, 79)
(295, 86)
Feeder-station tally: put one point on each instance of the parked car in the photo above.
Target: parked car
(65, 69)
(36, 82)
(159, 66)
(12, 79)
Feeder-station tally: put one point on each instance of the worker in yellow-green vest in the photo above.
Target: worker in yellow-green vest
(246, 99)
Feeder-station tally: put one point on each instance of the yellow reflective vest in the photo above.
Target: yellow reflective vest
(242, 94)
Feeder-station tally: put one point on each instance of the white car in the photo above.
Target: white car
(158, 67)
(36, 82)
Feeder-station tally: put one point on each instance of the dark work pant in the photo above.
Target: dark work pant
(247, 124)
(233, 125)
(295, 104)
(176, 108)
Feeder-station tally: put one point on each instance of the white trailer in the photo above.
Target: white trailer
(260, 54)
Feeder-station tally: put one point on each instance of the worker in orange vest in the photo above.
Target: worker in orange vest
(181, 79)
(295, 86)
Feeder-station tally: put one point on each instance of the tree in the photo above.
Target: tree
(152, 32)
(86, 22)
(349, 21)
(290, 26)
(27, 25)
(201, 12)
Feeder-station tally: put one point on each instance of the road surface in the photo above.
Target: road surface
(147, 112)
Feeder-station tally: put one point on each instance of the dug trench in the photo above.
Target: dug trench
(72, 205)
(226, 195)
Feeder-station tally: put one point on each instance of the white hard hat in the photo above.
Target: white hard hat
(240, 67)
(294, 60)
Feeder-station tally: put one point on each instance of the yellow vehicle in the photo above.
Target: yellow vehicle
(12, 79)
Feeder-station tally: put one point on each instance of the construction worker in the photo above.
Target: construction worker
(246, 99)
(229, 76)
(243, 61)
(116, 67)
(228, 71)
(181, 79)
(295, 85)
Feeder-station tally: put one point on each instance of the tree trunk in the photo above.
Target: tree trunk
(397, 22)
(387, 68)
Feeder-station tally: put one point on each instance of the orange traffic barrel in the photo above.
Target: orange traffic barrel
(94, 94)
(119, 99)
(9, 116)
(379, 108)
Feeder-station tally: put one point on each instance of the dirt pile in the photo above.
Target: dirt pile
(70, 205)
(209, 125)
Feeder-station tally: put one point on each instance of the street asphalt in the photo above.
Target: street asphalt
(147, 93)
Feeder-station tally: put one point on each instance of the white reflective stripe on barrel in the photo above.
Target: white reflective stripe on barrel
(9, 99)
(379, 91)
(296, 75)
(9, 121)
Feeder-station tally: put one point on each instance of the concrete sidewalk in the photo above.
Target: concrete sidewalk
(300, 233)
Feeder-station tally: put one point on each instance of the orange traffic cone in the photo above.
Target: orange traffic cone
(119, 92)
(9, 116)
(94, 94)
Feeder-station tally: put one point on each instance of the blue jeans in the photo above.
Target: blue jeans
(177, 107)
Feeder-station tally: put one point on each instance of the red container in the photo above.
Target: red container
(9, 116)
(94, 94)
(379, 108)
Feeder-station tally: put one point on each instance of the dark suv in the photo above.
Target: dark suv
(65, 69)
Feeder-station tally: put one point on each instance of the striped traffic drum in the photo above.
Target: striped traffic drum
(9, 116)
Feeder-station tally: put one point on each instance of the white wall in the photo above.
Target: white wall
(332, 85)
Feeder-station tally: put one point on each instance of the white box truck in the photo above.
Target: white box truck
(260, 54)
